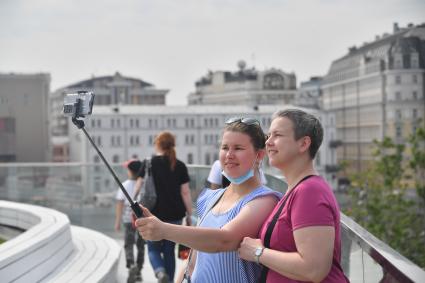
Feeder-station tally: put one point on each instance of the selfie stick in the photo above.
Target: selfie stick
(133, 204)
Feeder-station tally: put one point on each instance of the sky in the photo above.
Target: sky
(173, 43)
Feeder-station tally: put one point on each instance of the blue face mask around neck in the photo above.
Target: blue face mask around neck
(243, 178)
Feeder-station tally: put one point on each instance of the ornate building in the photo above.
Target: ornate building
(377, 90)
(110, 91)
(245, 86)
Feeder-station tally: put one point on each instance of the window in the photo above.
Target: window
(415, 79)
(99, 141)
(93, 123)
(398, 114)
(415, 95)
(26, 99)
(397, 79)
(189, 158)
(415, 113)
(397, 96)
(96, 186)
(207, 159)
(115, 158)
(414, 128)
(112, 123)
(131, 123)
(137, 123)
(112, 140)
(398, 131)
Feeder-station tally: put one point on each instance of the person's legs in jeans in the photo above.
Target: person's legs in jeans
(155, 255)
(129, 244)
(168, 248)
(162, 255)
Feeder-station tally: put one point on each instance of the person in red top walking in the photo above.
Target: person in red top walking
(300, 241)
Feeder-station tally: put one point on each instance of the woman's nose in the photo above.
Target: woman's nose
(230, 153)
(269, 140)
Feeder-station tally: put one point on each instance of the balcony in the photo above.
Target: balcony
(335, 143)
(85, 193)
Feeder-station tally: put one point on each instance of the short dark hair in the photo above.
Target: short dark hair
(304, 124)
(134, 166)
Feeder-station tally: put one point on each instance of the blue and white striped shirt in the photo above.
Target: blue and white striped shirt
(225, 267)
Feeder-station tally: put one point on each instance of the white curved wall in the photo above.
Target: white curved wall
(51, 250)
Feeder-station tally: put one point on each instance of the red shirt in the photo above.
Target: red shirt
(312, 203)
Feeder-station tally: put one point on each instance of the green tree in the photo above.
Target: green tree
(417, 162)
(381, 197)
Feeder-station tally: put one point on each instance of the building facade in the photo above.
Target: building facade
(376, 90)
(24, 121)
(309, 94)
(130, 133)
(245, 86)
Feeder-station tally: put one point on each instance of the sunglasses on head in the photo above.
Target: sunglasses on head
(246, 121)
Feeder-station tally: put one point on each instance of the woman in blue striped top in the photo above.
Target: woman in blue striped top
(226, 215)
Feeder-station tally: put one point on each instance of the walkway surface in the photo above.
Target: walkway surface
(147, 271)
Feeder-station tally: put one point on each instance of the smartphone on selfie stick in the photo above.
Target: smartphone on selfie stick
(78, 105)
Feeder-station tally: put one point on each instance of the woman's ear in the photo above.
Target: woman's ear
(260, 155)
(305, 143)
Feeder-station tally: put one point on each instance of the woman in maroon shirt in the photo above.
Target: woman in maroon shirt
(300, 241)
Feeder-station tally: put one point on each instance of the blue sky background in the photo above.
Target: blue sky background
(172, 43)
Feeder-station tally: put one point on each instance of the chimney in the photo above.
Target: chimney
(395, 28)
(352, 49)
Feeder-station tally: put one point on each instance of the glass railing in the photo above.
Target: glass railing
(86, 193)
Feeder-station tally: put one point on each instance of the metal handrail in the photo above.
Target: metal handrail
(392, 262)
